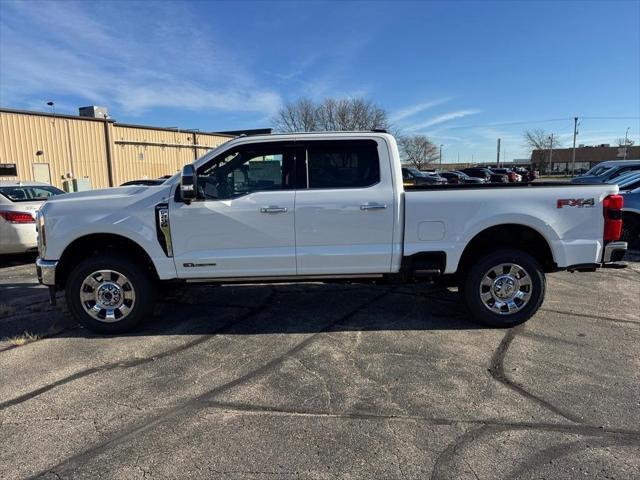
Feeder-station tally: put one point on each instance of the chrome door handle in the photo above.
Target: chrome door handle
(273, 209)
(373, 206)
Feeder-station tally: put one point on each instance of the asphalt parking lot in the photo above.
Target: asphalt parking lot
(324, 381)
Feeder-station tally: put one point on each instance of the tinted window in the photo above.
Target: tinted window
(624, 170)
(343, 164)
(29, 194)
(246, 169)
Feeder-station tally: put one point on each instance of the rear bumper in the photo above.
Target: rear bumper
(614, 252)
(46, 270)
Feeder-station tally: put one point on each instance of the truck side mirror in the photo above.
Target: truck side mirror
(188, 184)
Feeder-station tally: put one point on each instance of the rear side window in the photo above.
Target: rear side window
(343, 164)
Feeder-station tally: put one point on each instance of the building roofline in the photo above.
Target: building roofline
(54, 115)
(109, 120)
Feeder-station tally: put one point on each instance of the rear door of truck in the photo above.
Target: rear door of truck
(344, 209)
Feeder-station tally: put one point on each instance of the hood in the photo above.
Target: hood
(109, 201)
(110, 194)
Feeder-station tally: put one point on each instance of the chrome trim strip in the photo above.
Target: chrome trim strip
(290, 278)
(46, 270)
(611, 248)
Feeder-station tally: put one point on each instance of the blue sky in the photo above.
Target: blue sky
(463, 73)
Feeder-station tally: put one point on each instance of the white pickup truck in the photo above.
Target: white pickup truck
(315, 207)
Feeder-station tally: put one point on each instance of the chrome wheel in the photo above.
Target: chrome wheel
(506, 288)
(107, 295)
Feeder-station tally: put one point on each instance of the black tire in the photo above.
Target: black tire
(471, 286)
(139, 279)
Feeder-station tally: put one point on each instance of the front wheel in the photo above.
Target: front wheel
(110, 294)
(504, 288)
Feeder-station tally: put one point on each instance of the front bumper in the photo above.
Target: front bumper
(46, 270)
(614, 252)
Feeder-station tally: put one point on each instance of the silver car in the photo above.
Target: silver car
(19, 202)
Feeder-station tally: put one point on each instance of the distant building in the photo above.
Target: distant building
(586, 157)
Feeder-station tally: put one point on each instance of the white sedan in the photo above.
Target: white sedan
(18, 205)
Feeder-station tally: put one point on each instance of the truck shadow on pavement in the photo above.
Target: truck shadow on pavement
(250, 310)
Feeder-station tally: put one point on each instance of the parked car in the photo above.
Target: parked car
(609, 170)
(627, 181)
(18, 204)
(478, 172)
(511, 175)
(413, 176)
(229, 218)
(457, 177)
(451, 177)
(486, 174)
(631, 218)
(467, 179)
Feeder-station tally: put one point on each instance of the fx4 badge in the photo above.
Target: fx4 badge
(576, 202)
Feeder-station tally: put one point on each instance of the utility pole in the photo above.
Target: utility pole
(550, 150)
(498, 156)
(573, 153)
(440, 155)
(626, 136)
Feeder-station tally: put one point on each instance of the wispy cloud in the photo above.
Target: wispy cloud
(415, 109)
(445, 117)
(50, 49)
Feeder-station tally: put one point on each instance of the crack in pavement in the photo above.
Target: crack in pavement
(71, 463)
(595, 317)
(138, 361)
(580, 429)
(496, 369)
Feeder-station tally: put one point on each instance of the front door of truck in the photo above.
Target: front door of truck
(345, 212)
(242, 223)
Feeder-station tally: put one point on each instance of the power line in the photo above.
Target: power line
(526, 122)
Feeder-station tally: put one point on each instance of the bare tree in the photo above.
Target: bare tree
(330, 115)
(299, 116)
(538, 139)
(625, 141)
(418, 151)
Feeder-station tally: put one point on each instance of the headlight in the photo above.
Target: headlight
(42, 239)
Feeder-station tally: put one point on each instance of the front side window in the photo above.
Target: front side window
(246, 169)
(343, 164)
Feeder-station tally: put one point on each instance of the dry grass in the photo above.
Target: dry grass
(26, 337)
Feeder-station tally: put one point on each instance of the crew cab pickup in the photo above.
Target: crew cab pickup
(320, 207)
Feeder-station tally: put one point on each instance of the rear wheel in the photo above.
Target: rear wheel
(504, 288)
(110, 294)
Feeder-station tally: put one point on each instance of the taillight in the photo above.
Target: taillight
(612, 209)
(18, 217)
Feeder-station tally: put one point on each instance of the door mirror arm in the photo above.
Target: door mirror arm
(188, 184)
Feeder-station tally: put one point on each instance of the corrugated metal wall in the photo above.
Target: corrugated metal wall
(148, 153)
(66, 145)
(78, 146)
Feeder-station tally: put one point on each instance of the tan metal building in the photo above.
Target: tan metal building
(36, 146)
